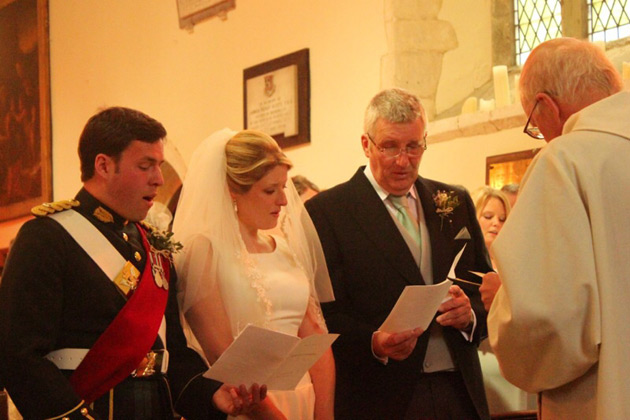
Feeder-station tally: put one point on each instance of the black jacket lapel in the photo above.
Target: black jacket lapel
(440, 245)
(372, 215)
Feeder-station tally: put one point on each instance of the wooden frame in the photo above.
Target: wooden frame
(191, 12)
(25, 140)
(276, 98)
(508, 168)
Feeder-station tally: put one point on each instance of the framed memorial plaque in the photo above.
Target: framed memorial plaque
(192, 12)
(276, 98)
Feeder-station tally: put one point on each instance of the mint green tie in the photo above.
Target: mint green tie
(404, 216)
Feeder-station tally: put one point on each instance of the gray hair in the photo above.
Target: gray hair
(394, 105)
(569, 69)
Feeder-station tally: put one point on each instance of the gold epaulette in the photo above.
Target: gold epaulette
(45, 209)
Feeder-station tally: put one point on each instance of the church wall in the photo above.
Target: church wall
(463, 160)
(134, 54)
(469, 66)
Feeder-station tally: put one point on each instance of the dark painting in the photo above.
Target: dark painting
(25, 158)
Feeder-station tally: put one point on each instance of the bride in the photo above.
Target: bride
(234, 272)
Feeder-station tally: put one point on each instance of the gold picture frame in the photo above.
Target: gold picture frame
(25, 129)
(508, 168)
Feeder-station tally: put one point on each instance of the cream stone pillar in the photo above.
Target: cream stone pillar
(416, 43)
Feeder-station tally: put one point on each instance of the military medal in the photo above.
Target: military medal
(159, 275)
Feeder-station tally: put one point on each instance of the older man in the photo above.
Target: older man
(384, 229)
(559, 324)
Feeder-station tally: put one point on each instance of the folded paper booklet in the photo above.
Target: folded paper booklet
(417, 305)
(269, 357)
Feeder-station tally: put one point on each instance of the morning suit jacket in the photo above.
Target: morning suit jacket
(54, 296)
(370, 264)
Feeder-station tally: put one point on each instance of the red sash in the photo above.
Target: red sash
(127, 340)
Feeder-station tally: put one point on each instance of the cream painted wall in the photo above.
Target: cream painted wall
(463, 161)
(132, 53)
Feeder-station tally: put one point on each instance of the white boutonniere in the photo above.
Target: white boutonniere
(445, 203)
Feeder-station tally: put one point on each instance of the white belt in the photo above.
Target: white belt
(69, 359)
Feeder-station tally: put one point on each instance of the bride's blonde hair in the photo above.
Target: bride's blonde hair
(250, 155)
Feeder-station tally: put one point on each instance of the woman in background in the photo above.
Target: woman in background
(305, 188)
(493, 208)
(233, 273)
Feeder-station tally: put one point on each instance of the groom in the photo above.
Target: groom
(384, 229)
(88, 299)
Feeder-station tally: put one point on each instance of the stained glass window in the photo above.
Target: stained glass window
(608, 19)
(535, 22)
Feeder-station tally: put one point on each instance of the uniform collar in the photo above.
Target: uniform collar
(95, 210)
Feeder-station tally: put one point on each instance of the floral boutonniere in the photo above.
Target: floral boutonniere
(445, 203)
(162, 241)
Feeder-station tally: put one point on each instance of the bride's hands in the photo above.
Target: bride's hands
(235, 401)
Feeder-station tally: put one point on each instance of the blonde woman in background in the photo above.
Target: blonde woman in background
(493, 208)
(234, 272)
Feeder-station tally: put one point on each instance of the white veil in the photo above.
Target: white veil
(214, 258)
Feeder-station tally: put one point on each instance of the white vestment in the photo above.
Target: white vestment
(559, 324)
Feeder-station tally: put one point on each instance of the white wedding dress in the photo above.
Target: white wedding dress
(269, 290)
(287, 289)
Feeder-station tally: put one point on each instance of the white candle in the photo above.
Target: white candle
(470, 105)
(517, 91)
(625, 74)
(486, 105)
(501, 86)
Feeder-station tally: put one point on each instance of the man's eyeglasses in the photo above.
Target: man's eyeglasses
(393, 151)
(533, 132)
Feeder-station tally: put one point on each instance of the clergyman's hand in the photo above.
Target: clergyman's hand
(235, 401)
(397, 346)
(489, 288)
(455, 312)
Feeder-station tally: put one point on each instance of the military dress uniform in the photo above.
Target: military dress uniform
(54, 296)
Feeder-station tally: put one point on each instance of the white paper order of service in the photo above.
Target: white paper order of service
(269, 357)
(417, 305)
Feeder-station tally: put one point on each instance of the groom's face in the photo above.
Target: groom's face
(397, 174)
